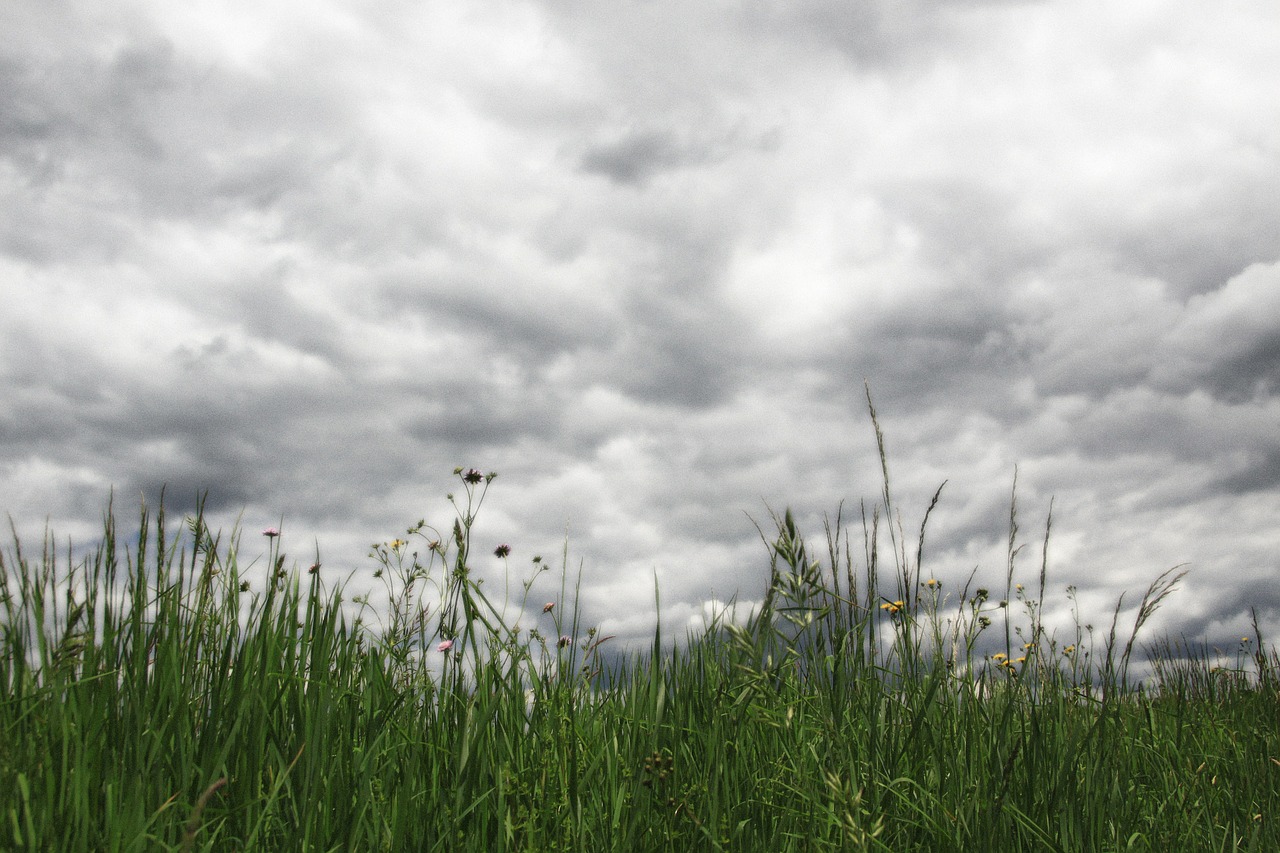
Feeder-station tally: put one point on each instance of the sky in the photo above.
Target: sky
(643, 259)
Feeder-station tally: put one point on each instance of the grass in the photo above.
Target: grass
(163, 697)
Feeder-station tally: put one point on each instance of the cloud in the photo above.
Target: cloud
(1225, 340)
(640, 260)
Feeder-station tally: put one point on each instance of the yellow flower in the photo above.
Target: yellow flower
(999, 656)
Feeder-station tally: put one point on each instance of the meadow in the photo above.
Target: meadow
(158, 695)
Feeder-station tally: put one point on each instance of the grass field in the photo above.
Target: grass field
(162, 697)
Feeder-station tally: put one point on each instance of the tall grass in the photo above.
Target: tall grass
(163, 697)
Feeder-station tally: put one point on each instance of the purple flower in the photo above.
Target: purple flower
(565, 640)
(445, 646)
(502, 550)
(271, 532)
(472, 476)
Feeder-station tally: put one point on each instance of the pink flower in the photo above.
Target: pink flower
(566, 640)
(271, 532)
(445, 646)
(546, 608)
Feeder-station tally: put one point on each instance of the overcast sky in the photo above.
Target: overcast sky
(639, 258)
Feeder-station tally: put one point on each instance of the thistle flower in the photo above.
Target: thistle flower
(565, 640)
(472, 476)
(271, 532)
(445, 646)
(502, 551)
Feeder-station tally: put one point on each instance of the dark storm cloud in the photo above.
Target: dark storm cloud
(1260, 472)
(480, 416)
(636, 157)
(1220, 626)
(184, 487)
(533, 320)
(1226, 340)
(1250, 373)
(1205, 243)
(680, 348)
(878, 33)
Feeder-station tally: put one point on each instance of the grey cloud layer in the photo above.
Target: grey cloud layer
(640, 260)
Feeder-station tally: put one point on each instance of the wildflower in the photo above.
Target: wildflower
(472, 476)
(546, 608)
(1018, 587)
(445, 646)
(271, 532)
(244, 586)
(315, 567)
(565, 640)
(1022, 659)
(1069, 649)
(502, 551)
(1028, 645)
(999, 656)
(932, 583)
